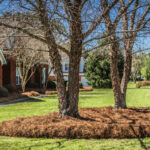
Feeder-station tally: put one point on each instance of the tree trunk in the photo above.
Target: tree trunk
(73, 86)
(134, 78)
(115, 74)
(75, 57)
(126, 75)
(61, 90)
(54, 57)
(23, 87)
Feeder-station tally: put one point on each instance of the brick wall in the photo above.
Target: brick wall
(12, 72)
(1, 75)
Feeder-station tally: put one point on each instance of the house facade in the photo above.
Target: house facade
(9, 73)
(65, 68)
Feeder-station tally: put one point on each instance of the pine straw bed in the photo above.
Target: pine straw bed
(95, 123)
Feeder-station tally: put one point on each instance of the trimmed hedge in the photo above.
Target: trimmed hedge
(51, 85)
(11, 88)
(80, 85)
(3, 92)
(142, 83)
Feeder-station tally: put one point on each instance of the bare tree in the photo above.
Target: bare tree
(43, 20)
(47, 12)
(27, 60)
(132, 23)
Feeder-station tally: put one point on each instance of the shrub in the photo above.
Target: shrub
(66, 83)
(3, 92)
(138, 85)
(33, 85)
(51, 85)
(31, 93)
(80, 85)
(11, 88)
(142, 83)
(97, 69)
(146, 69)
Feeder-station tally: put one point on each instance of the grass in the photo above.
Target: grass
(63, 144)
(96, 98)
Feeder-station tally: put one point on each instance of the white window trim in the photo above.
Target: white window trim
(18, 80)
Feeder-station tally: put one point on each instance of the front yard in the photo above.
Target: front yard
(96, 98)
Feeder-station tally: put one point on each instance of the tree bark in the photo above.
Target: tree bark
(114, 50)
(73, 86)
(126, 76)
(75, 26)
(61, 90)
(115, 74)
(55, 58)
(127, 70)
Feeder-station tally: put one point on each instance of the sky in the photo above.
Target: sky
(142, 42)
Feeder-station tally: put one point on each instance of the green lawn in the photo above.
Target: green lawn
(96, 98)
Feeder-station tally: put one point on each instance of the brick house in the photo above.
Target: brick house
(65, 68)
(9, 72)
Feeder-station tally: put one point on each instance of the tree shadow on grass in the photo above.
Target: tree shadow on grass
(143, 145)
(59, 144)
(22, 101)
(91, 93)
(138, 88)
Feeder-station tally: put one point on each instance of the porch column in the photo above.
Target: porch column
(1, 75)
(12, 72)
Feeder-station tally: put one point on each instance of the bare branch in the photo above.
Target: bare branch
(94, 25)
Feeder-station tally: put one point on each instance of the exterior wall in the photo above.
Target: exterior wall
(8, 74)
(82, 64)
(81, 70)
(38, 76)
(1, 75)
(12, 72)
(84, 81)
(32, 80)
(81, 74)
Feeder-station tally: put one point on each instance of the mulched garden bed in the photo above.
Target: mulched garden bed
(84, 89)
(36, 92)
(95, 123)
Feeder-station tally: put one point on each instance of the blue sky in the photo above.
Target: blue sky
(143, 42)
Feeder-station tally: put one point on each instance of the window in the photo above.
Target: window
(43, 75)
(18, 80)
(66, 67)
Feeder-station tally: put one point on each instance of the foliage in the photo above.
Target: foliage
(146, 69)
(10, 88)
(138, 85)
(80, 85)
(51, 84)
(97, 69)
(137, 64)
(32, 85)
(3, 92)
(66, 83)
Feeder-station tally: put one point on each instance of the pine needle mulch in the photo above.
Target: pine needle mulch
(96, 123)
